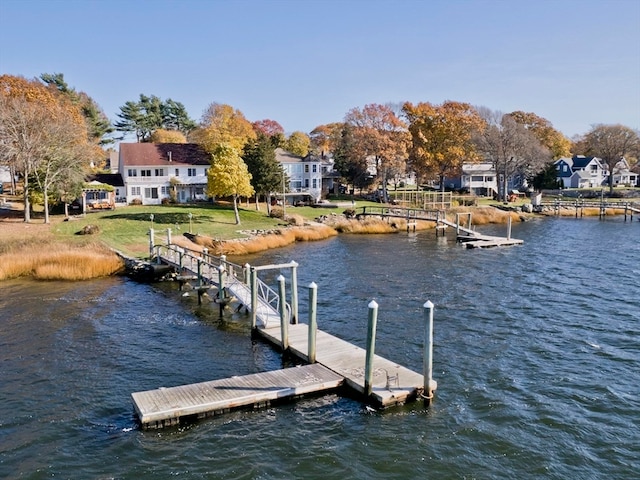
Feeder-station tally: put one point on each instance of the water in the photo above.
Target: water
(537, 357)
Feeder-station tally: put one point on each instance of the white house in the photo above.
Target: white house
(479, 179)
(155, 171)
(580, 172)
(622, 174)
(304, 174)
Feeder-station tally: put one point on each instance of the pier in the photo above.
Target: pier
(330, 362)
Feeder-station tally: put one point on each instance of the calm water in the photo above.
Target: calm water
(537, 357)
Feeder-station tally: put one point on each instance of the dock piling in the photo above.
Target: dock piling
(254, 297)
(151, 242)
(427, 361)
(294, 292)
(371, 345)
(313, 323)
(284, 328)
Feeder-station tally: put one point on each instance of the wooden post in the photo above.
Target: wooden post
(199, 282)
(469, 222)
(427, 361)
(313, 324)
(151, 242)
(168, 236)
(221, 292)
(254, 297)
(371, 345)
(457, 225)
(294, 292)
(247, 273)
(509, 227)
(284, 328)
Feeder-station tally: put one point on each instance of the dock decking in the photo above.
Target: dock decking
(167, 406)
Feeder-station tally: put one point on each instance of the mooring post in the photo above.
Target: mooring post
(294, 292)
(246, 274)
(221, 292)
(509, 228)
(371, 345)
(313, 323)
(168, 236)
(469, 223)
(427, 361)
(199, 282)
(254, 297)
(282, 304)
(457, 225)
(151, 242)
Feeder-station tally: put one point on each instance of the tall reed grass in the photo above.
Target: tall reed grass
(261, 243)
(50, 260)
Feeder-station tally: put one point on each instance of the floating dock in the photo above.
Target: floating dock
(169, 406)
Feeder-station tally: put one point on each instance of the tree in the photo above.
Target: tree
(324, 138)
(510, 147)
(167, 136)
(222, 124)
(441, 137)
(266, 172)
(380, 135)
(149, 114)
(298, 143)
(611, 143)
(41, 134)
(228, 176)
(542, 129)
(350, 161)
(268, 127)
(98, 125)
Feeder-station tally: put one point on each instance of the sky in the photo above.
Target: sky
(306, 63)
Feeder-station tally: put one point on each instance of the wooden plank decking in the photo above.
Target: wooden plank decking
(167, 406)
(392, 383)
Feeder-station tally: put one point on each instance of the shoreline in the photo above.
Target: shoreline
(22, 256)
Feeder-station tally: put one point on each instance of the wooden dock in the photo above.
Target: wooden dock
(337, 362)
(485, 241)
(171, 406)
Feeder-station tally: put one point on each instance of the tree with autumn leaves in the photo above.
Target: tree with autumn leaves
(44, 138)
(442, 137)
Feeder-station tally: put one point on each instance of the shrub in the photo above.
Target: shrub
(277, 212)
(135, 201)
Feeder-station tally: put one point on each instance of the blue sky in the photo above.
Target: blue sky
(306, 63)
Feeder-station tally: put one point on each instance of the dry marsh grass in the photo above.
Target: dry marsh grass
(50, 260)
(261, 243)
(484, 215)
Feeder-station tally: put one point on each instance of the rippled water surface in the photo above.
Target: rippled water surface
(537, 359)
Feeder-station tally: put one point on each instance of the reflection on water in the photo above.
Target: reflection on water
(537, 359)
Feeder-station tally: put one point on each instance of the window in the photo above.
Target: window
(315, 183)
(191, 172)
(489, 179)
(306, 182)
(177, 172)
(145, 173)
(159, 172)
(477, 178)
(558, 167)
(165, 190)
(565, 168)
(151, 192)
(306, 169)
(132, 172)
(314, 168)
(135, 191)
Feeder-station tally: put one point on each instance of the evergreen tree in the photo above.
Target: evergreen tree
(260, 157)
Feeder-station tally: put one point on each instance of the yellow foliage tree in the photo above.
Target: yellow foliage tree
(168, 136)
(542, 129)
(442, 137)
(298, 143)
(228, 176)
(222, 124)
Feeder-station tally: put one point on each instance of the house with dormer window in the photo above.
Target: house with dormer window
(153, 172)
(580, 172)
(623, 176)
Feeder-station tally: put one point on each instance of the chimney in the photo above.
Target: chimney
(169, 156)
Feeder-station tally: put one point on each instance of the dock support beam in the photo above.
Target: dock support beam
(151, 242)
(313, 324)
(427, 361)
(282, 304)
(371, 345)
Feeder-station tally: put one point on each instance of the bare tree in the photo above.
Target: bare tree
(511, 148)
(611, 143)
